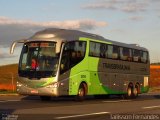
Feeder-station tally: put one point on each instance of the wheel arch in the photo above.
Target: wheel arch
(85, 85)
(138, 86)
(130, 85)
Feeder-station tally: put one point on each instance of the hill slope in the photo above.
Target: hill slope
(8, 76)
(9, 68)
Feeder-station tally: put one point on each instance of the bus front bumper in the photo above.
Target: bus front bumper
(41, 91)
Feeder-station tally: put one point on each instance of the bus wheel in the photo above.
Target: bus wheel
(129, 94)
(45, 98)
(81, 92)
(135, 92)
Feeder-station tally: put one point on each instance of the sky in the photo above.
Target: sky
(127, 21)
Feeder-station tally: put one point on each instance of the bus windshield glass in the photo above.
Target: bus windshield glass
(38, 59)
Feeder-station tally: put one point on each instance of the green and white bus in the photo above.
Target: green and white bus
(61, 62)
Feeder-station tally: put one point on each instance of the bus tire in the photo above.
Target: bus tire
(129, 94)
(82, 91)
(45, 98)
(135, 92)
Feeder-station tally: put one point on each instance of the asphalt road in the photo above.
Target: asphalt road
(146, 106)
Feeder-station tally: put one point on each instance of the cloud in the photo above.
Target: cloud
(128, 6)
(69, 24)
(101, 5)
(136, 18)
(134, 7)
(12, 29)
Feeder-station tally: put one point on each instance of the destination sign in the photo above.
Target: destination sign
(42, 44)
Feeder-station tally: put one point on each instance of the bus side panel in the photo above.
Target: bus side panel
(96, 86)
(78, 74)
(102, 81)
(116, 75)
(142, 71)
(76, 80)
(71, 79)
(112, 83)
(63, 87)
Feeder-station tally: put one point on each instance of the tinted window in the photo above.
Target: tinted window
(94, 49)
(103, 50)
(38, 59)
(113, 51)
(125, 54)
(144, 57)
(136, 55)
(73, 53)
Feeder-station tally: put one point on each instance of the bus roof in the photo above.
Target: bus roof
(72, 35)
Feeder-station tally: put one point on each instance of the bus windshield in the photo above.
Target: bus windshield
(38, 60)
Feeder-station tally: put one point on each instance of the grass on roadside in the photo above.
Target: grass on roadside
(4, 91)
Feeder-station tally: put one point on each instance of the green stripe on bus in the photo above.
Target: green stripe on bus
(84, 38)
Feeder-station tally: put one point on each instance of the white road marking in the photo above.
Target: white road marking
(151, 107)
(82, 115)
(117, 101)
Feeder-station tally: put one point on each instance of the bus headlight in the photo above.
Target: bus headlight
(19, 84)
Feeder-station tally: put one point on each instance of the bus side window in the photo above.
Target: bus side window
(122, 56)
(115, 52)
(125, 54)
(136, 56)
(77, 53)
(94, 49)
(64, 66)
(73, 53)
(130, 57)
(144, 57)
(103, 50)
(110, 51)
(91, 48)
(106, 52)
